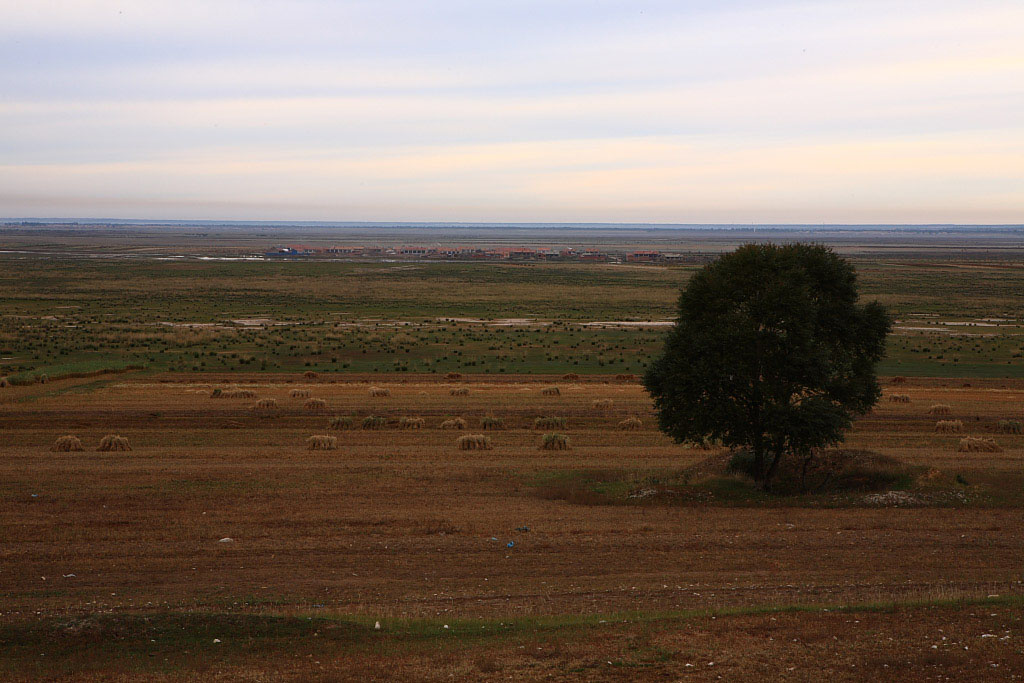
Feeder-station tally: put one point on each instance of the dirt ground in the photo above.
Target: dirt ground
(398, 524)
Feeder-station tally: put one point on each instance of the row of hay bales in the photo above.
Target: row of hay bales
(70, 444)
(384, 392)
(957, 427)
(466, 442)
(488, 423)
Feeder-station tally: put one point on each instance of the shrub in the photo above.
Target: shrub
(374, 422)
(300, 393)
(554, 442)
(631, 424)
(454, 423)
(491, 423)
(949, 426)
(602, 403)
(67, 443)
(899, 398)
(458, 391)
(978, 444)
(571, 377)
(321, 442)
(551, 391)
(113, 442)
(316, 405)
(379, 391)
(341, 423)
(1010, 427)
(473, 442)
(549, 423)
(940, 409)
(412, 423)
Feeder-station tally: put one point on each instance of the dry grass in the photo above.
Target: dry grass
(114, 442)
(453, 423)
(321, 442)
(978, 444)
(459, 391)
(412, 423)
(949, 426)
(940, 409)
(631, 424)
(317, 406)
(379, 392)
(67, 444)
(300, 393)
(554, 442)
(551, 391)
(473, 442)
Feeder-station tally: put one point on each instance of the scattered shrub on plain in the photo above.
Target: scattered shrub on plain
(554, 442)
(978, 444)
(321, 442)
(114, 442)
(473, 442)
(549, 423)
(67, 444)
(454, 423)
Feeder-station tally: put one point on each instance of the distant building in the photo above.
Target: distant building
(643, 256)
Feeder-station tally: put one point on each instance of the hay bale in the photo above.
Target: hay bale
(940, 409)
(315, 405)
(492, 423)
(474, 442)
(978, 444)
(554, 442)
(899, 379)
(4, 383)
(309, 374)
(341, 423)
(625, 377)
(453, 375)
(454, 423)
(549, 423)
(631, 424)
(378, 392)
(321, 442)
(43, 378)
(300, 393)
(1010, 427)
(602, 403)
(412, 423)
(114, 442)
(374, 422)
(949, 426)
(67, 444)
(899, 398)
(264, 406)
(551, 391)
(235, 392)
(571, 377)
(458, 391)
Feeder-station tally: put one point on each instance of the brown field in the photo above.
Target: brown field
(401, 526)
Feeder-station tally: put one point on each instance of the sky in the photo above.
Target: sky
(672, 111)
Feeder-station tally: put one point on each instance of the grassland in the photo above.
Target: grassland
(112, 563)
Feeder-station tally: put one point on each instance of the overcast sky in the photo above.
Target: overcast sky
(547, 110)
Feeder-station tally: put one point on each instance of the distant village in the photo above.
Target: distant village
(484, 254)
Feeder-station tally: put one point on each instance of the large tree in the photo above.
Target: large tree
(771, 352)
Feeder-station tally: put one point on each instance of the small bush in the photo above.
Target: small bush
(554, 442)
(316, 405)
(631, 424)
(549, 423)
(374, 422)
(67, 444)
(458, 391)
(454, 423)
(940, 409)
(379, 392)
(113, 442)
(1010, 427)
(899, 398)
(949, 426)
(321, 442)
(978, 444)
(341, 423)
(300, 393)
(492, 423)
(551, 391)
(412, 423)
(473, 442)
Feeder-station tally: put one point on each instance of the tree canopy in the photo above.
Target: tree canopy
(772, 352)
